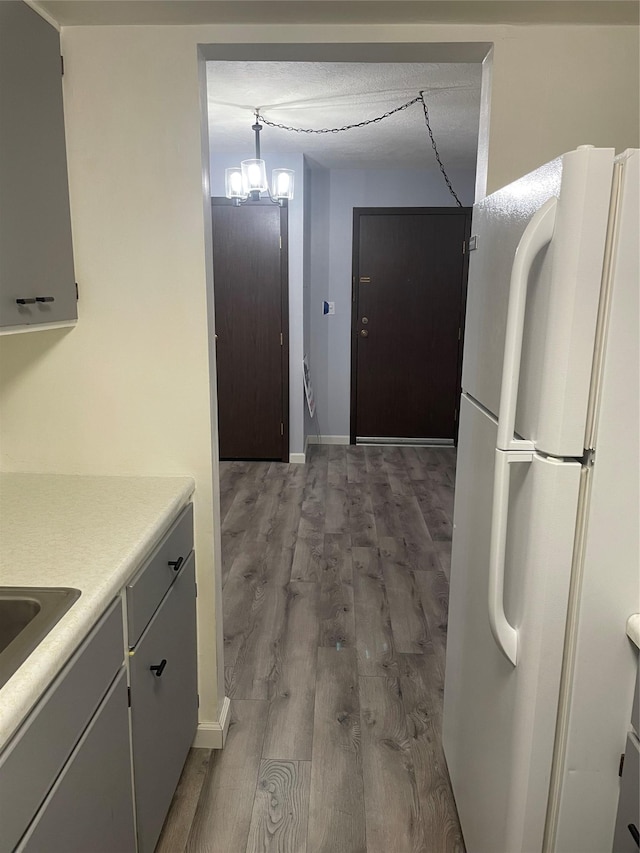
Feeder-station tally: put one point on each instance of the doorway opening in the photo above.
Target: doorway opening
(388, 164)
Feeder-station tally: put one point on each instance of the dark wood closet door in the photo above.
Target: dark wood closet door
(250, 287)
(409, 292)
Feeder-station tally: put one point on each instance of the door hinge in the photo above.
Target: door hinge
(588, 457)
(621, 765)
(459, 333)
(280, 239)
(464, 247)
(455, 415)
(281, 340)
(281, 428)
(129, 696)
(62, 66)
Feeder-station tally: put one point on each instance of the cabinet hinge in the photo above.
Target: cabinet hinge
(621, 765)
(280, 239)
(281, 340)
(129, 696)
(459, 333)
(464, 247)
(455, 415)
(77, 294)
(198, 700)
(62, 66)
(196, 586)
(281, 428)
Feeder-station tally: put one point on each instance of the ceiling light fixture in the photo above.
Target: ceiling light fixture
(248, 181)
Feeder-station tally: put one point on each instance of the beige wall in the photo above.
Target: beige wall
(127, 391)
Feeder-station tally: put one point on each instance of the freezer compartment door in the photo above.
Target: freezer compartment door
(499, 719)
(562, 297)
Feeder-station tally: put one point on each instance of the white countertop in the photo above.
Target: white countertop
(633, 628)
(90, 533)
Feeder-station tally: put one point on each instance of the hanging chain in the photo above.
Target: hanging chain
(417, 100)
(435, 150)
(410, 103)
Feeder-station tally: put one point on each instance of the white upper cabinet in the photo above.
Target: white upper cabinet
(37, 282)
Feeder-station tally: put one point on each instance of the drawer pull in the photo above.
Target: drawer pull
(45, 299)
(159, 667)
(176, 564)
(29, 301)
(633, 829)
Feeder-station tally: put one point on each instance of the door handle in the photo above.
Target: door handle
(364, 333)
(159, 667)
(176, 564)
(505, 635)
(536, 235)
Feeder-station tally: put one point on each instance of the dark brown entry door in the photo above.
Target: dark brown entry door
(409, 293)
(250, 287)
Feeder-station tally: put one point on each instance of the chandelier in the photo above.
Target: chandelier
(249, 179)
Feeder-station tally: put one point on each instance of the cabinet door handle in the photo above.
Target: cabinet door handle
(159, 667)
(633, 829)
(45, 299)
(25, 301)
(176, 564)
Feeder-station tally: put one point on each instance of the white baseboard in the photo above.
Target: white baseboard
(213, 735)
(297, 458)
(329, 439)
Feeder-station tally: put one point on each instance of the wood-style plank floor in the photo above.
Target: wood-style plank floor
(335, 589)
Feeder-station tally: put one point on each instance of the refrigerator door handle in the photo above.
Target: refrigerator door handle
(536, 235)
(505, 635)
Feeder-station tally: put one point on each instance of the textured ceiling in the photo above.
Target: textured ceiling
(333, 94)
(115, 12)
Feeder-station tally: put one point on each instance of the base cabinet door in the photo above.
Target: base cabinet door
(164, 704)
(90, 807)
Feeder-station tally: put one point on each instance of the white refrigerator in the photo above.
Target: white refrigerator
(545, 562)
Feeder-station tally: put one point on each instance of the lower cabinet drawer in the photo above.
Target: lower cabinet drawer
(164, 704)
(627, 838)
(90, 806)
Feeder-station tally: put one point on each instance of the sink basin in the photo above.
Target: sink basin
(27, 614)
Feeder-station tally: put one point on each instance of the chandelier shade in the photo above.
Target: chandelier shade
(233, 186)
(254, 176)
(282, 183)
